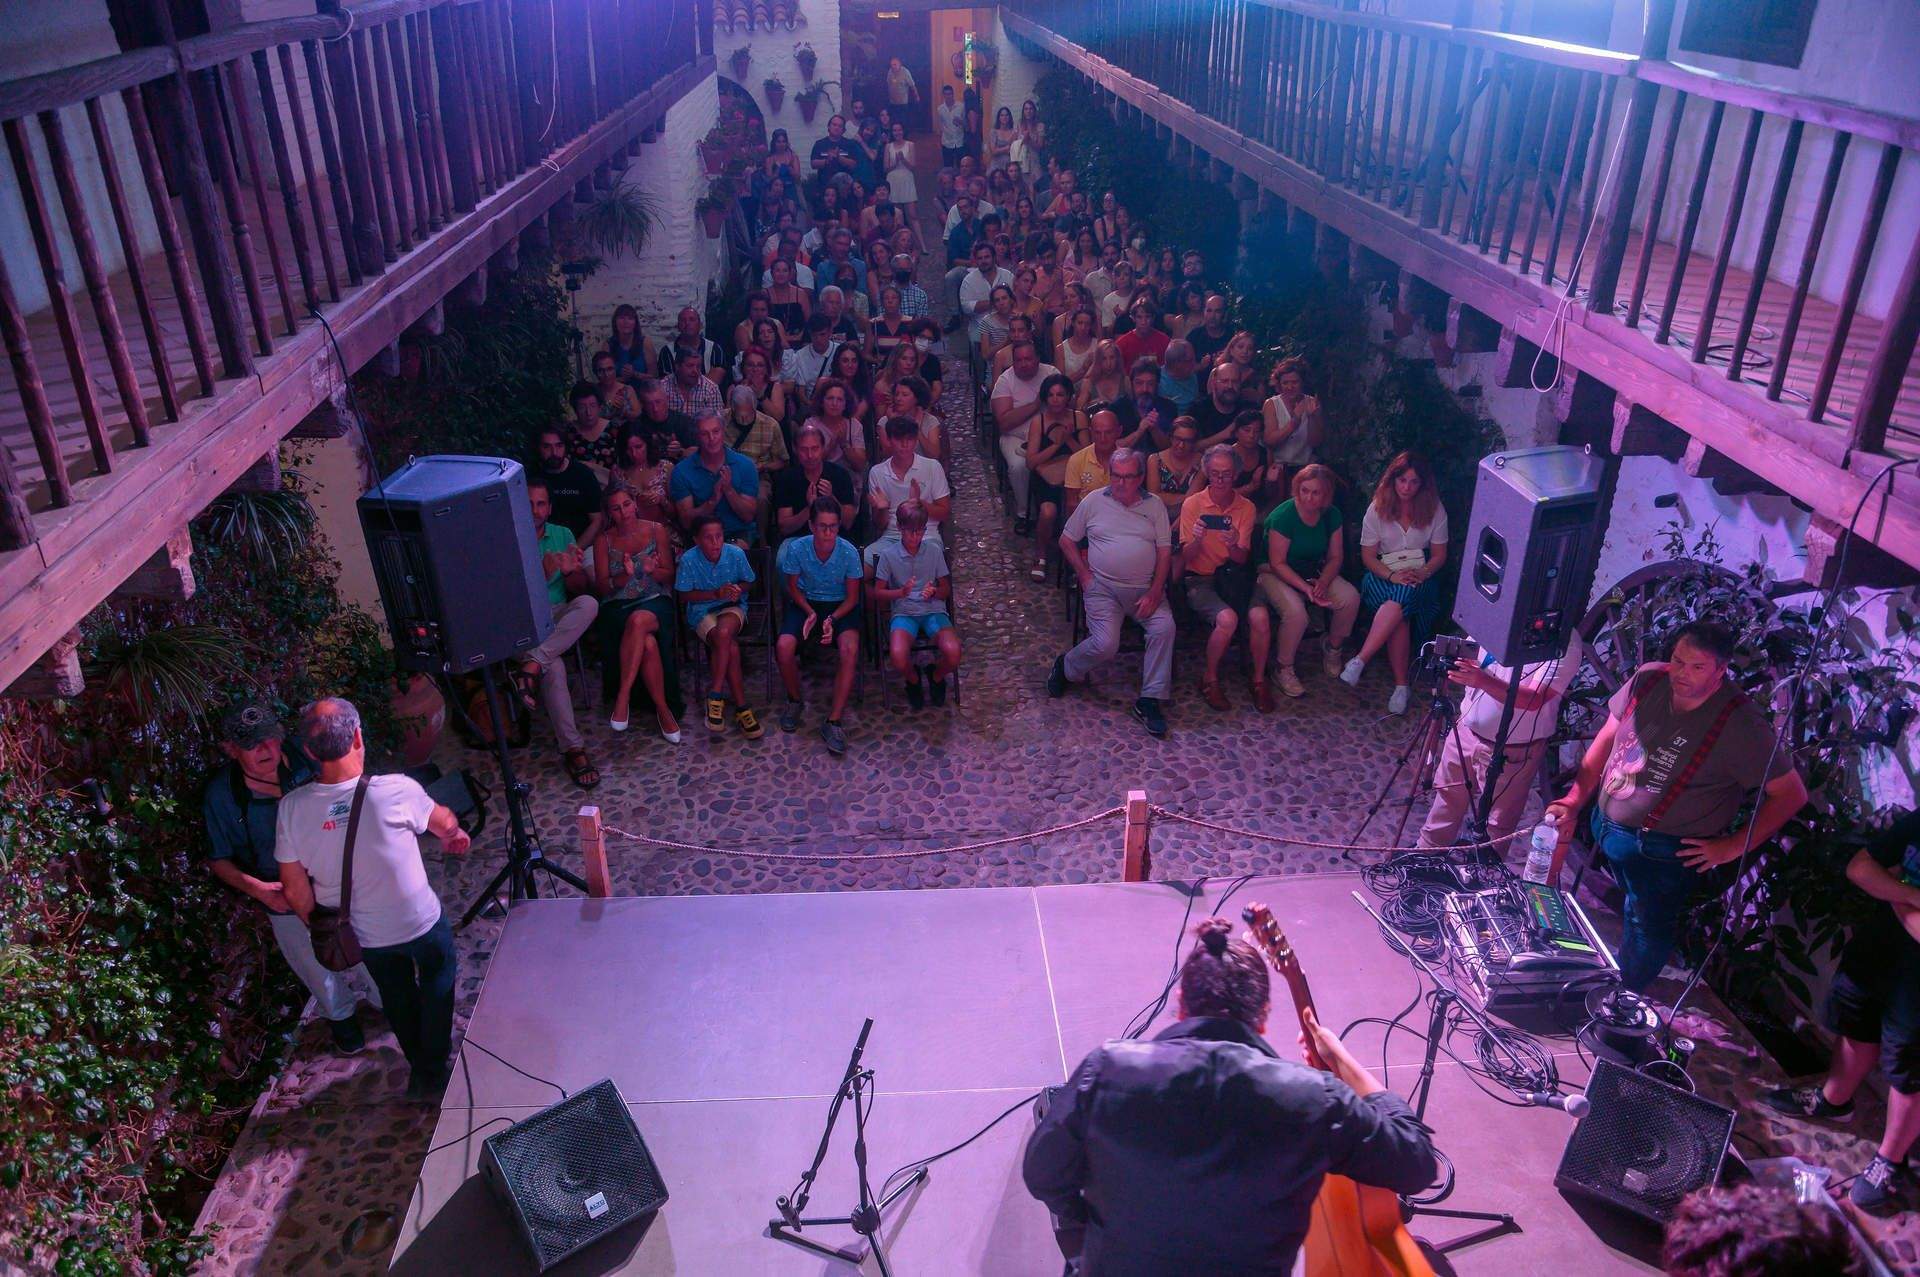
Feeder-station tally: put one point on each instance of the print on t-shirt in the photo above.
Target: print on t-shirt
(337, 814)
(1633, 770)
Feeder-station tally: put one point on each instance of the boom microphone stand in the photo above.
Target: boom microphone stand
(524, 857)
(855, 1085)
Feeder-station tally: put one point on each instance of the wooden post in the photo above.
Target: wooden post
(1450, 118)
(1890, 359)
(593, 854)
(1138, 859)
(1617, 220)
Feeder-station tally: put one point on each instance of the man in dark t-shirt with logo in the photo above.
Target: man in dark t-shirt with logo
(1682, 751)
(1874, 1010)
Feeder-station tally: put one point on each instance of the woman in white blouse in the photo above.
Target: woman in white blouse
(1403, 543)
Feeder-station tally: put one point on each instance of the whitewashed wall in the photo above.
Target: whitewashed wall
(773, 56)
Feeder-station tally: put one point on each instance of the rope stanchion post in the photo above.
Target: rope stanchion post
(1138, 863)
(593, 854)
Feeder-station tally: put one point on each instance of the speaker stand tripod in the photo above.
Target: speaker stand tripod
(1421, 753)
(1497, 1223)
(855, 1086)
(525, 860)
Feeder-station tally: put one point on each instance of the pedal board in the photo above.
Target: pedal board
(1522, 944)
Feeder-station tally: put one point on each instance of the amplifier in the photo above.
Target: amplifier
(1522, 944)
(1643, 1144)
(573, 1172)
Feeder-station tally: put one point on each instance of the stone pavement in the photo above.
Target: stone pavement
(330, 1154)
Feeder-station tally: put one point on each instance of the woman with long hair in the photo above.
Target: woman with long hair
(1027, 302)
(1106, 226)
(1055, 433)
(618, 401)
(1403, 543)
(1173, 472)
(757, 373)
(1105, 380)
(901, 362)
(1073, 353)
(996, 326)
(789, 303)
(1192, 312)
(644, 475)
(1024, 225)
(632, 350)
(925, 339)
(780, 148)
(1030, 141)
(833, 414)
(910, 397)
(633, 569)
(1076, 300)
(1083, 258)
(849, 367)
(1249, 458)
(889, 328)
(1000, 141)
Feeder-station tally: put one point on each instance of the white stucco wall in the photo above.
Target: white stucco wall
(1013, 83)
(680, 262)
(773, 56)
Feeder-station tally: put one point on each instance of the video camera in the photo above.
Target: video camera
(1438, 656)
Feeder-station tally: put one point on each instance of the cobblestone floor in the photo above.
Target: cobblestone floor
(331, 1144)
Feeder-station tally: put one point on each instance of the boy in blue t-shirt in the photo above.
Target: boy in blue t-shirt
(712, 580)
(820, 585)
(911, 574)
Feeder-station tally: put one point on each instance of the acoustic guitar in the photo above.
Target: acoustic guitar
(1355, 1230)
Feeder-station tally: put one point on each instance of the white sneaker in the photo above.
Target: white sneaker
(1397, 703)
(1351, 674)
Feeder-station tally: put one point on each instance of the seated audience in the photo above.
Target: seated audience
(543, 671)
(689, 392)
(850, 369)
(1403, 543)
(669, 432)
(910, 399)
(405, 939)
(812, 361)
(833, 416)
(1016, 401)
(645, 476)
(687, 336)
(1076, 344)
(633, 571)
(1180, 375)
(1211, 335)
(712, 580)
(1216, 411)
(716, 480)
(820, 592)
(1174, 472)
(1145, 415)
(574, 493)
(1301, 569)
(807, 480)
(905, 475)
(1293, 425)
(1122, 572)
(589, 434)
(632, 349)
(753, 433)
(1055, 434)
(1090, 469)
(761, 370)
(1106, 380)
(1216, 541)
(618, 402)
(910, 576)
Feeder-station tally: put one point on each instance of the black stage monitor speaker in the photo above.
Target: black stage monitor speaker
(573, 1173)
(1644, 1145)
(451, 540)
(1530, 551)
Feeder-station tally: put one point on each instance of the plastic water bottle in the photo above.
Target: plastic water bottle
(1540, 849)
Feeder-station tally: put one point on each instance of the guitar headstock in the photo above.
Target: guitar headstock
(1264, 931)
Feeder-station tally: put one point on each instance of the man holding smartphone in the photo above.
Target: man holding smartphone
(1216, 542)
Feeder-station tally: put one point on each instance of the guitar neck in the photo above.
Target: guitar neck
(1303, 1003)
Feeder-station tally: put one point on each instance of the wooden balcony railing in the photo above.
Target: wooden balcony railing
(274, 168)
(1532, 153)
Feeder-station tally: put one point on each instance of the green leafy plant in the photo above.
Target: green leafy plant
(616, 221)
(271, 526)
(180, 671)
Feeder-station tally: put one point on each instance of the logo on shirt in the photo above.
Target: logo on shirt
(336, 813)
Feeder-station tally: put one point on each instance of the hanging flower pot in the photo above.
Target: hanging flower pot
(808, 104)
(740, 58)
(776, 92)
(806, 59)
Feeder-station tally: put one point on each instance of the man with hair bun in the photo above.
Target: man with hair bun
(1200, 1150)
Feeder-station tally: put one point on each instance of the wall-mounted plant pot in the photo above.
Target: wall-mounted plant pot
(713, 220)
(807, 107)
(774, 98)
(806, 62)
(740, 59)
(712, 158)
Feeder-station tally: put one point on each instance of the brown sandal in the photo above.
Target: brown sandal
(580, 767)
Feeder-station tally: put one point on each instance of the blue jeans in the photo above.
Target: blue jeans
(416, 991)
(1659, 889)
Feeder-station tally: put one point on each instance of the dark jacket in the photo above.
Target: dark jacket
(1128, 413)
(1201, 1151)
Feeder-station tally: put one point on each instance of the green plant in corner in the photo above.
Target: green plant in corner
(615, 222)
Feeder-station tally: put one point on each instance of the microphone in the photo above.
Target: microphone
(1572, 1105)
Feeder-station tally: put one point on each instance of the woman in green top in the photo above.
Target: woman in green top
(1304, 550)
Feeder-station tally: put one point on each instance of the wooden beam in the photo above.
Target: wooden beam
(330, 419)
(1267, 203)
(1364, 266)
(433, 320)
(167, 576)
(54, 676)
(1421, 300)
(1330, 251)
(1867, 566)
(1518, 362)
(593, 854)
(1638, 432)
(262, 476)
(1136, 855)
(1470, 331)
(1583, 405)
(1244, 188)
(473, 289)
(386, 360)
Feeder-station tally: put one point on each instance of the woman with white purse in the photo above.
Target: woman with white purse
(1403, 543)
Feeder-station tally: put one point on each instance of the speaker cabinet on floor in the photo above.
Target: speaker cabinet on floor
(1530, 551)
(1644, 1145)
(573, 1173)
(451, 539)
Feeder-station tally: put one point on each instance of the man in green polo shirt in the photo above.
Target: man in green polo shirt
(574, 608)
(240, 805)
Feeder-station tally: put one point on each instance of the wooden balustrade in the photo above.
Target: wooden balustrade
(1532, 153)
(278, 166)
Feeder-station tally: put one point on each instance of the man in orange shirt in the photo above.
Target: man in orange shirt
(1216, 541)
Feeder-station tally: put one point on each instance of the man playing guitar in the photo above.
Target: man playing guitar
(1201, 1150)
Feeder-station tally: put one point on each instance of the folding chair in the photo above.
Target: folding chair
(776, 607)
(881, 628)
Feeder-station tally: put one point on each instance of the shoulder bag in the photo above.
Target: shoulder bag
(334, 942)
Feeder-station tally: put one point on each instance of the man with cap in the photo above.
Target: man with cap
(242, 803)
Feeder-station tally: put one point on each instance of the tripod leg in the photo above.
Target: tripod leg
(488, 895)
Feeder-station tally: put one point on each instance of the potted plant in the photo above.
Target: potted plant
(985, 61)
(805, 58)
(712, 206)
(740, 58)
(714, 149)
(808, 99)
(776, 92)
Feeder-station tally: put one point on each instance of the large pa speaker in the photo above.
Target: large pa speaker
(451, 540)
(1530, 551)
(573, 1173)
(1643, 1145)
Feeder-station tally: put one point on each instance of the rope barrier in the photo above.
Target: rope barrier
(1184, 819)
(816, 858)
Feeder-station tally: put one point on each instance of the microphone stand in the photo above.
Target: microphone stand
(1498, 1223)
(856, 1086)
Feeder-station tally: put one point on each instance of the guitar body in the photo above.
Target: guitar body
(1356, 1230)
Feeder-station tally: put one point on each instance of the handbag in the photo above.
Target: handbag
(334, 943)
(1233, 582)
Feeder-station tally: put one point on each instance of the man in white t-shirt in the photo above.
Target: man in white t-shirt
(977, 285)
(1016, 398)
(906, 475)
(1461, 774)
(951, 119)
(404, 936)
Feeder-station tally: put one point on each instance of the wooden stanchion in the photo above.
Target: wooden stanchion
(593, 854)
(1139, 864)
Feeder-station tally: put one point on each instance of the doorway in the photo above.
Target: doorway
(869, 39)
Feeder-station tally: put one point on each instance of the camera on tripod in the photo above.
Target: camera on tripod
(1438, 656)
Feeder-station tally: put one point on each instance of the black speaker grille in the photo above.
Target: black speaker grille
(554, 1164)
(1645, 1145)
